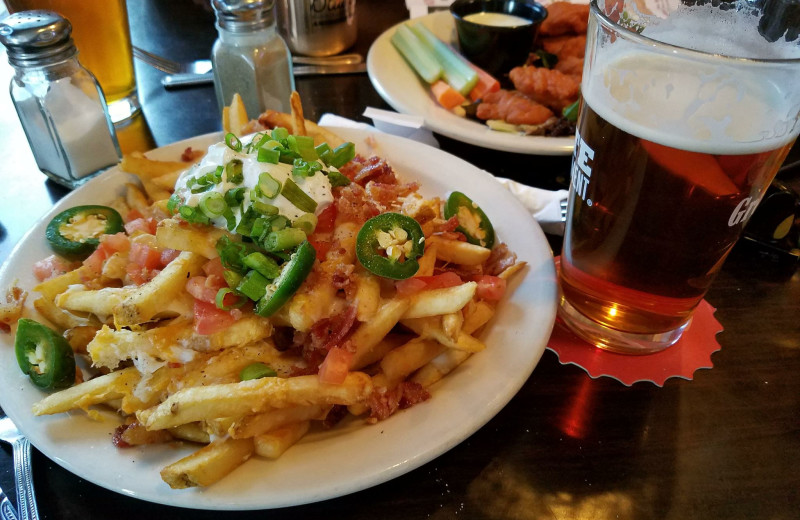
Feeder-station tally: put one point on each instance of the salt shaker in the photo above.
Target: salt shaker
(250, 57)
(60, 104)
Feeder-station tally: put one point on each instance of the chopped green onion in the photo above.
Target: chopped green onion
(342, 154)
(279, 133)
(213, 204)
(300, 168)
(264, 265)
(235, 196)
(230, 219)
(298, 197)
(219, 299)
(303, 145)
(337, 179)
(262, 139)
(200, 188)
(232, 278)
(284, 239)
(233, 142)
(307, 222)
(268, 156)
(322, 148)
(231, 253)
(173, 203)
(260, 227)
(269, 187)
(279, 222)
(314, 167)
(233, 171)
(193, 215)
(265, 209)
(256, 371)
(253, 285)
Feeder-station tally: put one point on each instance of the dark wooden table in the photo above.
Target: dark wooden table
(724, 445)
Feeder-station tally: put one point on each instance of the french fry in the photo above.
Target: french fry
(154, 191)
(167, 181)
(146, 301)
(254, 396)
(176, 234)
(60, 317)
(100, 302)
(52, 287)
(458, 252)
(405, 359)
(191, 432)
(236, 116)
(372, 332)
(432, 328)
(427, 261)
(440, 366)
(479, 315)
(252, 425)
(208, 464)
(436, 302)
(273, 444)
(509, 272)
(95, 391)
(368, 296)
(451, 325)
(272, 119)
(144, 168)
(135, 198)
(298, 121)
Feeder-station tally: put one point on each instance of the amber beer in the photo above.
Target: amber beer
(102, 36)
(651, 224)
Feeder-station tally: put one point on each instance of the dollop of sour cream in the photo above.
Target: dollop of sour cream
(318, 187)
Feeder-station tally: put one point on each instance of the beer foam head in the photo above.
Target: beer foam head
(730, 32)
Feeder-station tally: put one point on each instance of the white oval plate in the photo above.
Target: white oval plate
(343, 460)
(400, 87)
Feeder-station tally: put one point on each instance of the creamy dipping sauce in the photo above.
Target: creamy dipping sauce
(497, 19)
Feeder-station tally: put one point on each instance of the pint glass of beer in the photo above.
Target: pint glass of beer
(101, 34)
(688, 112)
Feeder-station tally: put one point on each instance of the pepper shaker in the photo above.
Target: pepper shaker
(60, 104)
(250, 57)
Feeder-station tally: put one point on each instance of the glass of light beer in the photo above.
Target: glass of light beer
(688, 112)
(102, 35)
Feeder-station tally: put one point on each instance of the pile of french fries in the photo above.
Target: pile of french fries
(169, 383)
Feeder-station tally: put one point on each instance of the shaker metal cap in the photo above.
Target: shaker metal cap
(244, 15)
(36, 38)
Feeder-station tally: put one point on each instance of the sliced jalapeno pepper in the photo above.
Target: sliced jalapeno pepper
(75, 232)
(44, 355)
(286, 284)
(389, 244)
(472, 221)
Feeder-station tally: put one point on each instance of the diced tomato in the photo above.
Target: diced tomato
(52, 266)
(214, 267)
(490, 288)
(425, 283)
(326, 219)
(321, 247)
(208, 319)
(336, 366)
(139, 274)
(168, 255)
(143, 225)
(133, 214)
(94, 262)
(145, 256)
(118, 242)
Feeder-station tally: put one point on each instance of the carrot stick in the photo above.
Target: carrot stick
(446, 95)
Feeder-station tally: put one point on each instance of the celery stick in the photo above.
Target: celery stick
(416, 54)
(457, 73)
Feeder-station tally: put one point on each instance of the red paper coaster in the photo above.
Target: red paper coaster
(692, 352)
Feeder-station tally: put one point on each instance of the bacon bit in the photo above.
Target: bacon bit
(117, 439)
(500, 259)
(335, 415)
(361, 170)
(11, 307)
(326, 334)
(353, 204)
(342, 275)
(384, 402)
(190, 155)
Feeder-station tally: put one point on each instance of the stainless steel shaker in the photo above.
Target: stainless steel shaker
(317, 27)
